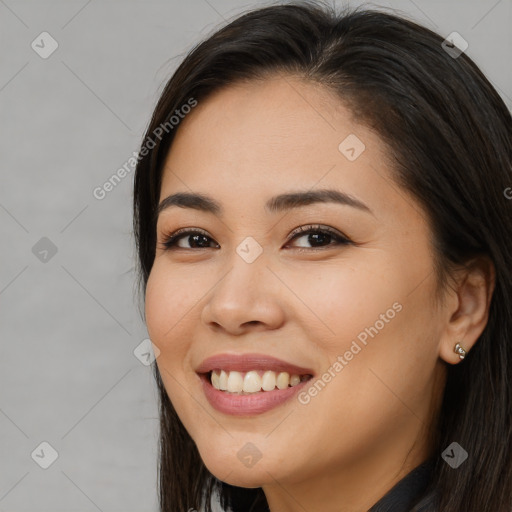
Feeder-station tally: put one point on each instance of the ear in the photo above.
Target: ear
(467, 308)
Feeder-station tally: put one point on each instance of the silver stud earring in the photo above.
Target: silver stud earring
(459, 350)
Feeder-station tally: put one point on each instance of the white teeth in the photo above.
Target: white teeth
(294, 380)
(235, 382)
(223, 381)
(216, 380)
(252, 381)
(283, 379)
(268, 382)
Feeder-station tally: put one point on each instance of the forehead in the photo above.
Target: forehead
(269, 131)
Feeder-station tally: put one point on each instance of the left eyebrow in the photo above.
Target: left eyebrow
(274, 205)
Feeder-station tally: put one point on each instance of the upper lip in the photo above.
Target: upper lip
(248, 362)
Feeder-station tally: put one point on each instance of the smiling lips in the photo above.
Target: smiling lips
(250, 383)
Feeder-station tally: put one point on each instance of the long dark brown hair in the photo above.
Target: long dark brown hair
(449, 137)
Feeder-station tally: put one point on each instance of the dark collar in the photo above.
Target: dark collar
(403, 496)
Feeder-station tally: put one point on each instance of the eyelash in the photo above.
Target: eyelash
(169, 242)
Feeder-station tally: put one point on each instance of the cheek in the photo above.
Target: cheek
(169, 307)
(386, 335)
(156, 308)
(170, 316)
(338, 301)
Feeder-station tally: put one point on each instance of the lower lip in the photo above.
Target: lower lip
(244, 405)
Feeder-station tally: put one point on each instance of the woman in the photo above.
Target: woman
(323, 233)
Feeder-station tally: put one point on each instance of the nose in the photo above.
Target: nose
(246, 297)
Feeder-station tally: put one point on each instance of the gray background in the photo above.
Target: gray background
(69, 324)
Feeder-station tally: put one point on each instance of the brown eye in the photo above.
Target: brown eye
(197, 239)
(319, 236)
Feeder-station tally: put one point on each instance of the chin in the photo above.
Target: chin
(243, 468)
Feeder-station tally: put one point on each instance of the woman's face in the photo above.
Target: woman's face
(356, 316)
